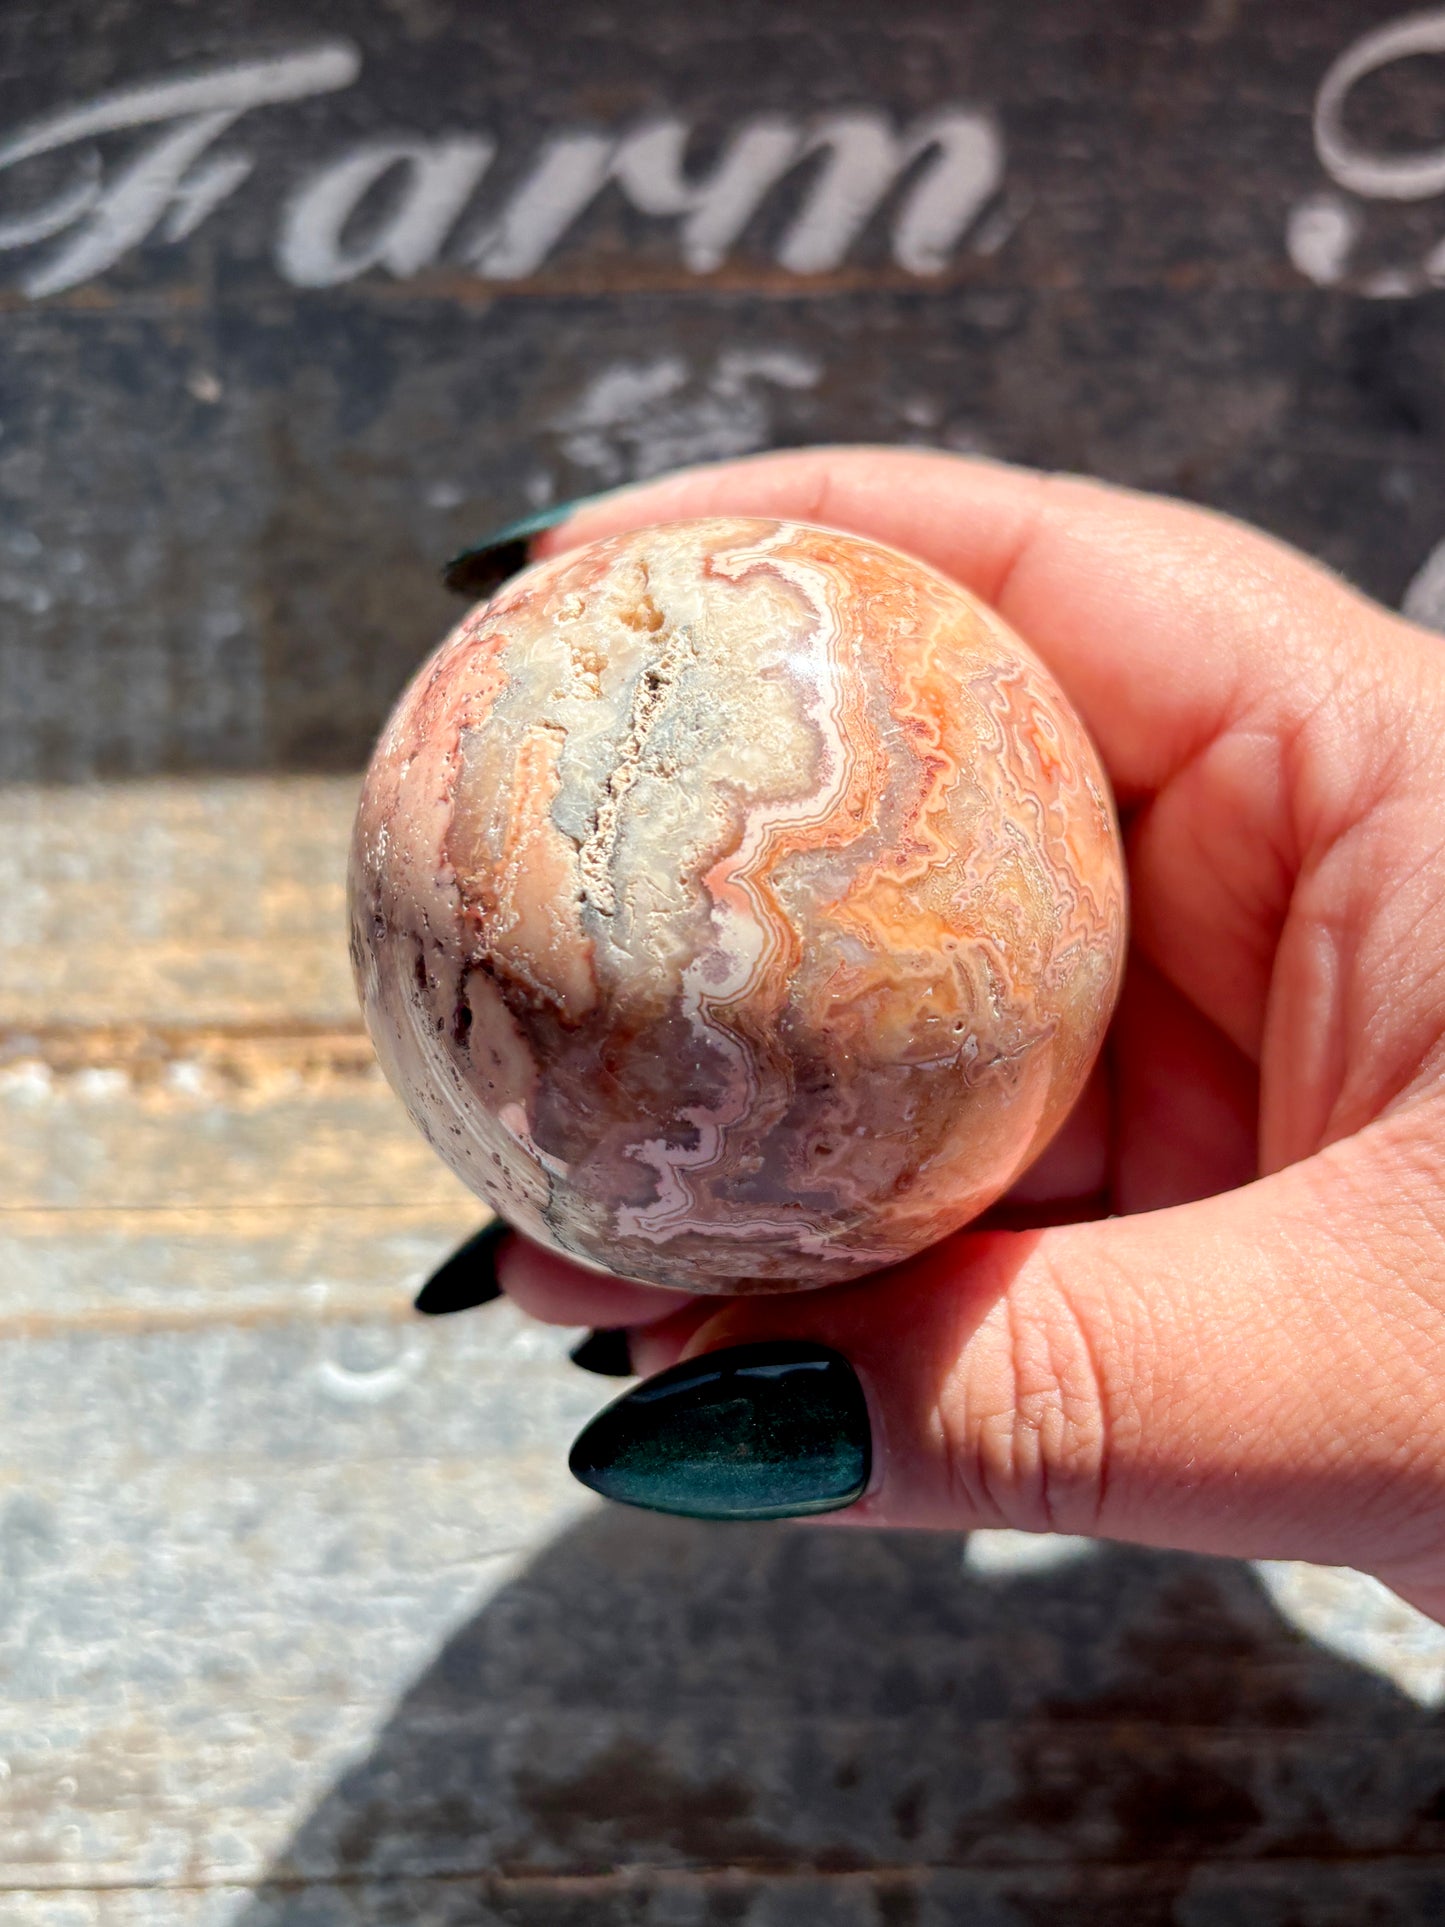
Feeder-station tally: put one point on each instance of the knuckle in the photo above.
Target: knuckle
(1031, 1424)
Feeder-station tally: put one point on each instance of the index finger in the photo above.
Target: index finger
(1249, 707)
(1163, 622)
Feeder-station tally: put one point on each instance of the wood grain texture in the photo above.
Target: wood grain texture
(301, 1620)
(175, 906)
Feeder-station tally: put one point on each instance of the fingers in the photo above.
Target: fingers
(1274, 736)
(1169, 1115)
(1195, 649)
(1111, 587)
(1252, 1373)
(1256, 1375)
(1178, 1125)
(1185, 1100)
(1074, 1164)
(555, 1291)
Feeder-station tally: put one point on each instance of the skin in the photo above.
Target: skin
(1212, 1316)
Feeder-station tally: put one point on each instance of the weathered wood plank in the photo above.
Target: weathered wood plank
(225, 1612)
(134, 1270)
(298, 1594)
(170, 905)
(328, 1136)
(1207, 1896)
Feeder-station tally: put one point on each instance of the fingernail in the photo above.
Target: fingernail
(481, 571)
(768, 1431)
(468, 1277)
(608, 1353)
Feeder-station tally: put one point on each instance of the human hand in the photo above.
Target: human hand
(1249, 1358)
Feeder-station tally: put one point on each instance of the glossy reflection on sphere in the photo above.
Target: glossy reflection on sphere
(737, 905)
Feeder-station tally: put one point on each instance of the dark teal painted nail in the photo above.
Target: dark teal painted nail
(468, 1277)
(481, 571)
(608, 1353)
(767, 1431)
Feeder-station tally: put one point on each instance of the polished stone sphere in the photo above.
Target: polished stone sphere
(737, 905)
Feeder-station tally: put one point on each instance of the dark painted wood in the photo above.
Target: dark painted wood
(224, 499)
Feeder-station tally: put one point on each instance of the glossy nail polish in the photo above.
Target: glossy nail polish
(607, 1353)
(482, 570)
(768, 1431)
(468, 1277)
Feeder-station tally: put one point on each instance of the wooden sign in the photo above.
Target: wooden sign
(293, 308)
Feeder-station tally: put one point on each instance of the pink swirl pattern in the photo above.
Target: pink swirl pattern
(737, 905)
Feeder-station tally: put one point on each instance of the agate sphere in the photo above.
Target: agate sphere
(737, 905)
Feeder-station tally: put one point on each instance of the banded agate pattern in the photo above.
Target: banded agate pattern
(737, 905)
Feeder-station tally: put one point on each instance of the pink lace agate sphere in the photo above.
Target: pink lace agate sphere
(737, 905)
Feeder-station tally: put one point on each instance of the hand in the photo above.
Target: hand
(1249, 1357)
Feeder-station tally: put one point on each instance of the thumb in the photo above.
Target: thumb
(1255, 1374)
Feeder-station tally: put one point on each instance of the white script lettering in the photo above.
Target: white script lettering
(864, 160)
(440, 179)
(1326, 233)
(1378, 176)
(110, 219)
(399, 203)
